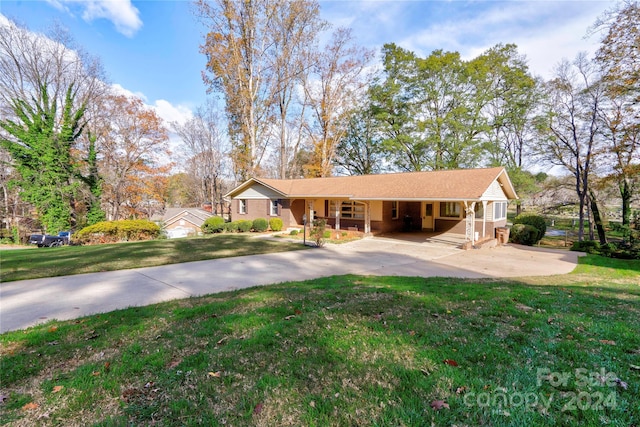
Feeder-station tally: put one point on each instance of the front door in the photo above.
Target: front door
(427, 216)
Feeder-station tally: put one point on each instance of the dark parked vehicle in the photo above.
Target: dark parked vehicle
(46, 240)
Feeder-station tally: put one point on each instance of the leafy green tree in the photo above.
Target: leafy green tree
(513, 96)
(359, 150)
(442, 112)
(394, 107)
(41, 149)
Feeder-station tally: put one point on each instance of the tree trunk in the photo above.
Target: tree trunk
(625, 194)
(597, 218)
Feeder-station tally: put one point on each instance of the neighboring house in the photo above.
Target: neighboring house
(182, 222)
(471, 202)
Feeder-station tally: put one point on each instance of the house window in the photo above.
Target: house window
(242, 206)
(450, 209)
(499, 210)
(348, 209)
(394, 210)
(273, 211)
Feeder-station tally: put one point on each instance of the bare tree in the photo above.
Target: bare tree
(569, 128)
(294, 31)
(619, 60)
(29, 61)
(205, 151)
(333, 89)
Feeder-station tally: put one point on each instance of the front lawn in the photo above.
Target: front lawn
(348, 350)
(34, 263)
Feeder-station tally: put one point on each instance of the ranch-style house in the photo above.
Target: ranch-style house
(470, 202)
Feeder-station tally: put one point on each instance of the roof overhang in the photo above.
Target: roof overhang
(249, 183)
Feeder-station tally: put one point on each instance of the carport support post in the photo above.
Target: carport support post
(338, 206)
(367, 217)
(470, 221)
(484, 218)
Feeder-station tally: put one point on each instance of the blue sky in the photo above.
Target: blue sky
(151, 48)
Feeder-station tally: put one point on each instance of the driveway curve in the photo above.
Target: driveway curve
(29, 302)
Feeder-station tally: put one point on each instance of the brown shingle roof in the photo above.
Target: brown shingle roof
(448, 184)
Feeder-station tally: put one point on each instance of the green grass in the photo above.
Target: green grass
(347, 350)
(20, 264)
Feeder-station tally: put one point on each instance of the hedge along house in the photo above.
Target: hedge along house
(470, 202)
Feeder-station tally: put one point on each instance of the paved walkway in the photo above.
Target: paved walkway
(29, 302)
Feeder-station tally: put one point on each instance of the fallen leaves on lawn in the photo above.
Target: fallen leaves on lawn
(634, 367)
(174, 363)
(608, 342)
(289, 317)
(221, 341)
(439, 404)
(258, 408)
(30, 406)
(216, 374)
(462, 390)
(58, 388)
(450, 362)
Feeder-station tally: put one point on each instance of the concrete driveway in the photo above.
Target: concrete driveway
(29, 302)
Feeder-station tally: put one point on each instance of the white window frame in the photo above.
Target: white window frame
(499, 210)
(273, 208)
(242, 206)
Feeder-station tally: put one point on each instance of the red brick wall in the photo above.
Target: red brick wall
(261, 208)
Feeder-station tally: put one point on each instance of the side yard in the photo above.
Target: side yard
(50, 262)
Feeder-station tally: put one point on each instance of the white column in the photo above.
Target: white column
(311, 212)
(470, 221)
(338, 206)
(484, 218)
(367, 218)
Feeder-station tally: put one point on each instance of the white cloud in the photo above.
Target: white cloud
(172, 113)
(163, 108)
(124, 15)
(126, 92)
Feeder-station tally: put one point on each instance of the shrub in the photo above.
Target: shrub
(231, 227)
(318, 231)
(523, 234)
(536, 221)
(244, 225)
(619, 250)
(293, 233)
(214, 224)
(275, 224)
(115, 231)
(588, 246)
(260, 225)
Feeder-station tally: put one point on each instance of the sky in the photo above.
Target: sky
(151, 47)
